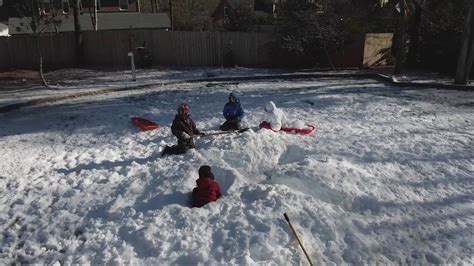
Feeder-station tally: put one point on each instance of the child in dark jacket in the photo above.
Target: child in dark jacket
(207, 189)
(184, 129)
(233, 113)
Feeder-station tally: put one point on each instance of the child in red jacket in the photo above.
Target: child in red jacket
(207, 189)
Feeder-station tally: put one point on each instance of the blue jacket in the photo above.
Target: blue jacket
(233, 111)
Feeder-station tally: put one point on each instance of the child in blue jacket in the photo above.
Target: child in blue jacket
(233, 113)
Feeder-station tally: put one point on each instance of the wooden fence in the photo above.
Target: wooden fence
(110, 48)
(20, 51)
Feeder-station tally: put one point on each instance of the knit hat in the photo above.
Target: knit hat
(205, 171)
(232, 95)
(270, 106)
(183, 108)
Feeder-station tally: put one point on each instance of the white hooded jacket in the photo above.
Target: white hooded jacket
(276, 117)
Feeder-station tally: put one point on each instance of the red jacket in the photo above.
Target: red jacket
(207, 190)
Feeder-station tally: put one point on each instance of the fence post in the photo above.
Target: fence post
(132, 57)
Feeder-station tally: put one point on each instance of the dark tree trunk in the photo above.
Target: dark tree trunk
(78, 34)
(470, 54)
(470, 60)
(400, 49)
(466, 51)
(154, 6)
(412, 61)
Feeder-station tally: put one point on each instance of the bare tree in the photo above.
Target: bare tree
(189, 15)
(466, 53)
(40, 22)
(94, 17)
(241, 18)
(92, 8)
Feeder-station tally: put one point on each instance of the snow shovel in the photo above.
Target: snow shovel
(226, 132)
(297, 238)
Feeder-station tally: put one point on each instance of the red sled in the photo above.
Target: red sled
(301, 131)
(144, 124)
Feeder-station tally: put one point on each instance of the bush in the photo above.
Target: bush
(304, 34)
(241, 18)
(440, 35)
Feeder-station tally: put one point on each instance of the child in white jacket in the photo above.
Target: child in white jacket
(276, 118)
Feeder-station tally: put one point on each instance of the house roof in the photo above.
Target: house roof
(219, 11)
(7, 10)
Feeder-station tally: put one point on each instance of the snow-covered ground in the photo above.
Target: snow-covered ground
(68, 82)
(386, 178)
(426, 78)
(72, 81)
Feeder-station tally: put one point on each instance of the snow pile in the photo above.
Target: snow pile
(386, 178)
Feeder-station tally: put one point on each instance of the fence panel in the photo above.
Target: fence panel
(4, 53)
(110, 48)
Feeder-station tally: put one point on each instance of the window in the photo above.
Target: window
(46, 6)
(109, 3)
(263, 5)
(276, 9)
(89, 4)
(123, 4)
(56, 4)
(320, 8)
(86, 4)
(226, 11)
(65, 6)
(50, 6)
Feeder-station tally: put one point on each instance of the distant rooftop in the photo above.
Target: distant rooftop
(6, 10)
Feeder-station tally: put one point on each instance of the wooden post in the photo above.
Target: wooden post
(221, 43)
(132, 65)
(132, 57)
